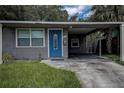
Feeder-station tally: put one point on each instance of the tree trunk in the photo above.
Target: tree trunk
(109, 40)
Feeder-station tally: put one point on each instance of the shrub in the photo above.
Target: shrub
(7, 58)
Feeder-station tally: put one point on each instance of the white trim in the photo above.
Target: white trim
(16, 37)
(1, 44)
(122, 42)
(61, 39)
(62, 42)
(75, 39)
(30, 38)
(48, 42)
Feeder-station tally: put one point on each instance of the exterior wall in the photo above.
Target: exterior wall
(65, 43)
(9, 46)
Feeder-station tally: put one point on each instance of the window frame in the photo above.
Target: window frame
(30, 29)
(75, 39)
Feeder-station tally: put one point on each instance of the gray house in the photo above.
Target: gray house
(51, 40)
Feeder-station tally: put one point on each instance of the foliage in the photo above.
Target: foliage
(114, 58)
(33, 13)
(108, 34)
(7, 58)
(107, 13)
(74, 18)
(32, 74)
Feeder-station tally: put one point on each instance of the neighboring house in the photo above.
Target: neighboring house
(51, 40)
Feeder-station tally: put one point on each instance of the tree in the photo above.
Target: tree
(74, 18)
(52, 13)
(11, 12)
(107, 13)
(33, 12)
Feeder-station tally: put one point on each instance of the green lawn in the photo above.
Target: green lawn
(114, 58)
(34, 74)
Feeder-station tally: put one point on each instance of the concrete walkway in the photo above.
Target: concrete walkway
(93, 72)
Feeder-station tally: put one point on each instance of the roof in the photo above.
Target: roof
(80, 27)
(61, 23)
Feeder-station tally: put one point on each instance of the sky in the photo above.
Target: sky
(83, 11)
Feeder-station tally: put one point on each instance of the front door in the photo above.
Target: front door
(55, 43)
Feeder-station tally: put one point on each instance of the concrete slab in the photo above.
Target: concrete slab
(93, 72)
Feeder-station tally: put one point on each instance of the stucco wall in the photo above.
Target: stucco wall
(9, 45)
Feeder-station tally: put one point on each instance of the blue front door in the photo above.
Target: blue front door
(55, 43)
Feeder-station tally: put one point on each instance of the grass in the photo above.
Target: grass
(114, 58)
(25, 74)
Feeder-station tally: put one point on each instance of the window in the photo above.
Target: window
(37, 37)
(55, 41)
(23, 37)
(30, 37)
(75, 42)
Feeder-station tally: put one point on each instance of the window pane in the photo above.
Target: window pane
(23, 33)
(55, 41)
(74, 42)
(23, 42)
(37, 41)
(37, 34)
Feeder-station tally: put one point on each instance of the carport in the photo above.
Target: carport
(88, 38)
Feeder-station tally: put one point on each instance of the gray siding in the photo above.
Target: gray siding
(9, 45)
(65, 43)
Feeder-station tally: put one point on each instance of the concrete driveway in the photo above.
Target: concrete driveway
(93, 72)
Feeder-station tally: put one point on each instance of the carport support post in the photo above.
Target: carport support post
(100, 47)
(122, 42)
(1, 44)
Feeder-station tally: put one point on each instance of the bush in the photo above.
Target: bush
(7, 58)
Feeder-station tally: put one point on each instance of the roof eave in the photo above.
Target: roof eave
(59, 23)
